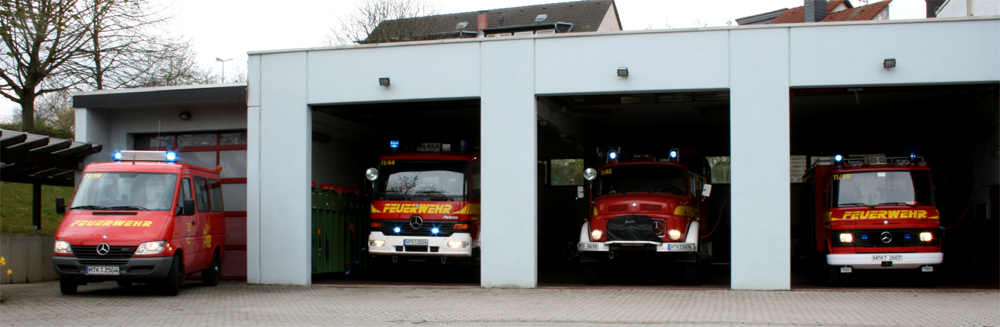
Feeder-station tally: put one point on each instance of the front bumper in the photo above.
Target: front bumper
(136, 269)
(436, 246)
(690, 243)
(875, 260)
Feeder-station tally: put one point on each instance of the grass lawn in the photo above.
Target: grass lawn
(15, 207)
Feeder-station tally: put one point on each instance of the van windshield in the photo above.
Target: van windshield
(125, 191)
(875, 188)
(423, 180)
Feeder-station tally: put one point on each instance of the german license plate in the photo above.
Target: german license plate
(414, 242)
(102, 270)
(587, 246)
(680, 247)
(887, 257)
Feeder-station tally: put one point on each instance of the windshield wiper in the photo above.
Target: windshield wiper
(897, 203)
(89, 207)
(128, 208)
(855, 205)
(395, 196)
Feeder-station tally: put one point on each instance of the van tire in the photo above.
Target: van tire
(210, 276)
(67, 285)
(175, 277)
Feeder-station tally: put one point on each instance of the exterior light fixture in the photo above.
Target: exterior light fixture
(383, 81)
(623, 71)
(185, 115)
(889, 63)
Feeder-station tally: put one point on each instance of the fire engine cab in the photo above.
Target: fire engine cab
(425, 203)
(648, 210)
(872, 212)
(143, 218)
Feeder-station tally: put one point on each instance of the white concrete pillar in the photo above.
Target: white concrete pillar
(278, 195)
(509, 150)
(759, 127)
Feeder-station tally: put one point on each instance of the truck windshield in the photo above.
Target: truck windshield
(125, 191)
(644, 179)
(872, 188)
(423, 180)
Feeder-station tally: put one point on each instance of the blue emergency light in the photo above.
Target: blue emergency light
(435, 230)
(906, 236)
(673, 154)
(171, 156)
(396, 230)
(118, 156)
(394, 144)
(913, 156)
(613, 155)
(864, 236)
(838, 158)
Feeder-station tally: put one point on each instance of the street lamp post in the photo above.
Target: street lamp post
(223, 61)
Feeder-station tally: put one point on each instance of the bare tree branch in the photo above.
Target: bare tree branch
(358, 26)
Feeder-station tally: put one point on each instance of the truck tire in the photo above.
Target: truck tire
(67, 285)
(692, 273)
(833, 278)
(592, 273)
(210, 276)
(175, 277)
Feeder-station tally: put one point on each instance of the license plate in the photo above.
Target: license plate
(101, 270)
(587, 246)
(680, 247)
(887, 257)
(414, 242)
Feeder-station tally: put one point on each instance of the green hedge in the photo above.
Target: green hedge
(15, 207)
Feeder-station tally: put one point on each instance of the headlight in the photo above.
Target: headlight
(674, 234)
(846, 238)
(150, 248)
(926, 236)
(456, 244)
(377, 243)
(596, 234)
(63, 247)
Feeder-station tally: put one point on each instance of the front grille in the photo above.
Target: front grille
(409, 248)
(650, 207)
(100, 262)
(90, 252)
(873, 237)
(444, 228)
(632, 228)
(618, 208)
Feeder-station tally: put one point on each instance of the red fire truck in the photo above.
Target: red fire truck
(645, 208)
(872, 212)
(425, 204)
(143, 218)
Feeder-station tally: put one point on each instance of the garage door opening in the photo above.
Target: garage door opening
(953, 128)
(347, 140)
(577, 132)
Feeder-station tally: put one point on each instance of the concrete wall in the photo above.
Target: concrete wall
(757, 64)
(28, 257)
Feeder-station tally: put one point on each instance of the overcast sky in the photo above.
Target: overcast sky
(230, 28)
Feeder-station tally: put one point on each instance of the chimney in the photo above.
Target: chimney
(815, 11)
(482, 22)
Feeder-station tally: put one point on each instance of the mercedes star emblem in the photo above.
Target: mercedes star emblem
(103, 248)
(416, 221)
(886, 237)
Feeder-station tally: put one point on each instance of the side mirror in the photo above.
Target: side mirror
(61, 205)
(706, 190)
(188, 207)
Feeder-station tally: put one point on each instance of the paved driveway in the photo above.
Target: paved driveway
(239, 304)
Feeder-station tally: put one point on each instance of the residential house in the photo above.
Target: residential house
(821, 11)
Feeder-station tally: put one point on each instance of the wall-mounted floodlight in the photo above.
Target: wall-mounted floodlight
(383, 81)
(623, 71)
(185, 115)
(889, 63)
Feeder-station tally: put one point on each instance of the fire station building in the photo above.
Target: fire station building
(759, 95)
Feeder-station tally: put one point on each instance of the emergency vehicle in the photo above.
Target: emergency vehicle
(872, 212)
(425, 204)
(647, 210)
(142, 218)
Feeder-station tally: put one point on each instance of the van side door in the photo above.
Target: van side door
(202, 226)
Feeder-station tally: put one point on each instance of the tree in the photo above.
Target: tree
(122, 43)
(176, 67)
(40, 38)
(359, 25)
